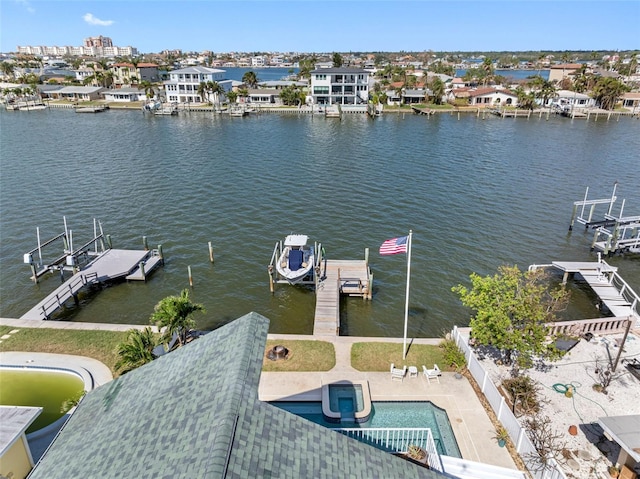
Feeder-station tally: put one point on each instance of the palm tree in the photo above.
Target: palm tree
(607, 91)
(437, 88)
(175, 314)
(250, 79)
(147, 87)
(7, 69)
(136, 350)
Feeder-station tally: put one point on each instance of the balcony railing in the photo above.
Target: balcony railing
(398, 440)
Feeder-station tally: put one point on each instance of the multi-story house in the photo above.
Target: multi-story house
(340, 86)
(183, 84)
(128, 73)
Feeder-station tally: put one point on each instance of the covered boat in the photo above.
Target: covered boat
(296, 259)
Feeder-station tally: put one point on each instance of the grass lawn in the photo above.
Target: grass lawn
(303, 356)
(100, 345)
(379, 356)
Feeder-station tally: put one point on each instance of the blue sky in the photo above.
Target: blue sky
(325, 26)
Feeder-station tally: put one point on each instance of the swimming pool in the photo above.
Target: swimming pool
(47, 388)
(392, 414)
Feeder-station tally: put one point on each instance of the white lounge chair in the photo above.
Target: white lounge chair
(431, 373)
(397, 373)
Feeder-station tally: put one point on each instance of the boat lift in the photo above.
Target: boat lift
(71, 259)
(613, 234)
(315, 274)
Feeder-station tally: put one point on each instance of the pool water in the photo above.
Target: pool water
(388, 414)
(346, 398)
(48, 389)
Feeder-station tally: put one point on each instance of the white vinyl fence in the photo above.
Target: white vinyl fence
(516, 432)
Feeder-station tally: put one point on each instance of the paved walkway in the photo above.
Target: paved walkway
(471, 425)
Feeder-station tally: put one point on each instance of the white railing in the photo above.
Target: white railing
(517, 433)
(398, 440)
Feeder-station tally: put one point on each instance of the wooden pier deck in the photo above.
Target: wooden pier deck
(111, 265)
(422, 111)
(612, 290)
(349, 277)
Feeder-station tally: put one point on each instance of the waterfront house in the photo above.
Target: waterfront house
(264, 96)
(631, 100)
(340, 86)
(568, 99)
(128, 73)
(182, 86)
(559, 72)
(492, 97)
(195, 413)
(77, 93)
(124, 95)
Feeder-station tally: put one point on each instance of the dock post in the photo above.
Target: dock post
(141, 266)
(573, 216)
(109, 244)
(272, 286)
(366, 255)
(190, 276)
(160, 254)
(145, 244)
(458, 114)
(34, 273)
(595, 239)
(370, 292)
(565, 277)
(593, 207)
(210, 252)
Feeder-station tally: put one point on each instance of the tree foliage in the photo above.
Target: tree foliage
(136, 350)
(607, 91)
(250, 79)
(511, 310)
(175, 313)
(337, 60)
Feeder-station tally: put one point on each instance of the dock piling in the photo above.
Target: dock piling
(145, 244)
(190, 276)
(210, 252)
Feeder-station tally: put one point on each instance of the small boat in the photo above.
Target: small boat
(296, 259)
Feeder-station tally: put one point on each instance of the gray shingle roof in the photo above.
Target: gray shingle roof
(195, 413)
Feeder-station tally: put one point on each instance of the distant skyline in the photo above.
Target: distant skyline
(325, 26)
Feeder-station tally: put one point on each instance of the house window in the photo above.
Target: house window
(321, 77)
(320, 90)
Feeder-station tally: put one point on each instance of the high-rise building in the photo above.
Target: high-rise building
(98, 42)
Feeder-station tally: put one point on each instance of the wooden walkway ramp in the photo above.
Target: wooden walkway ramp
(604, 280)
(110, 265)
(351, 277)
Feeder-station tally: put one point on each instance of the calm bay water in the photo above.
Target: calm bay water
(476, 193)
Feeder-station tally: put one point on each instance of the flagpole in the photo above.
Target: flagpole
(406, 306)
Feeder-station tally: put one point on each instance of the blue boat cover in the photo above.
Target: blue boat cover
(295, 259)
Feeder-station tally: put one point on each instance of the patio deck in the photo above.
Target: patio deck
(471, 425)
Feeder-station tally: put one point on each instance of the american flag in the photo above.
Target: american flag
(394, 246)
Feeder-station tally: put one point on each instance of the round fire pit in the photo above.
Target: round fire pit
(278, 352)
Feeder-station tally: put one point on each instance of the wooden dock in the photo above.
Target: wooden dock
(509, 113)
(349, 277)
(110, 265)
(613, 292)
(422, 111)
